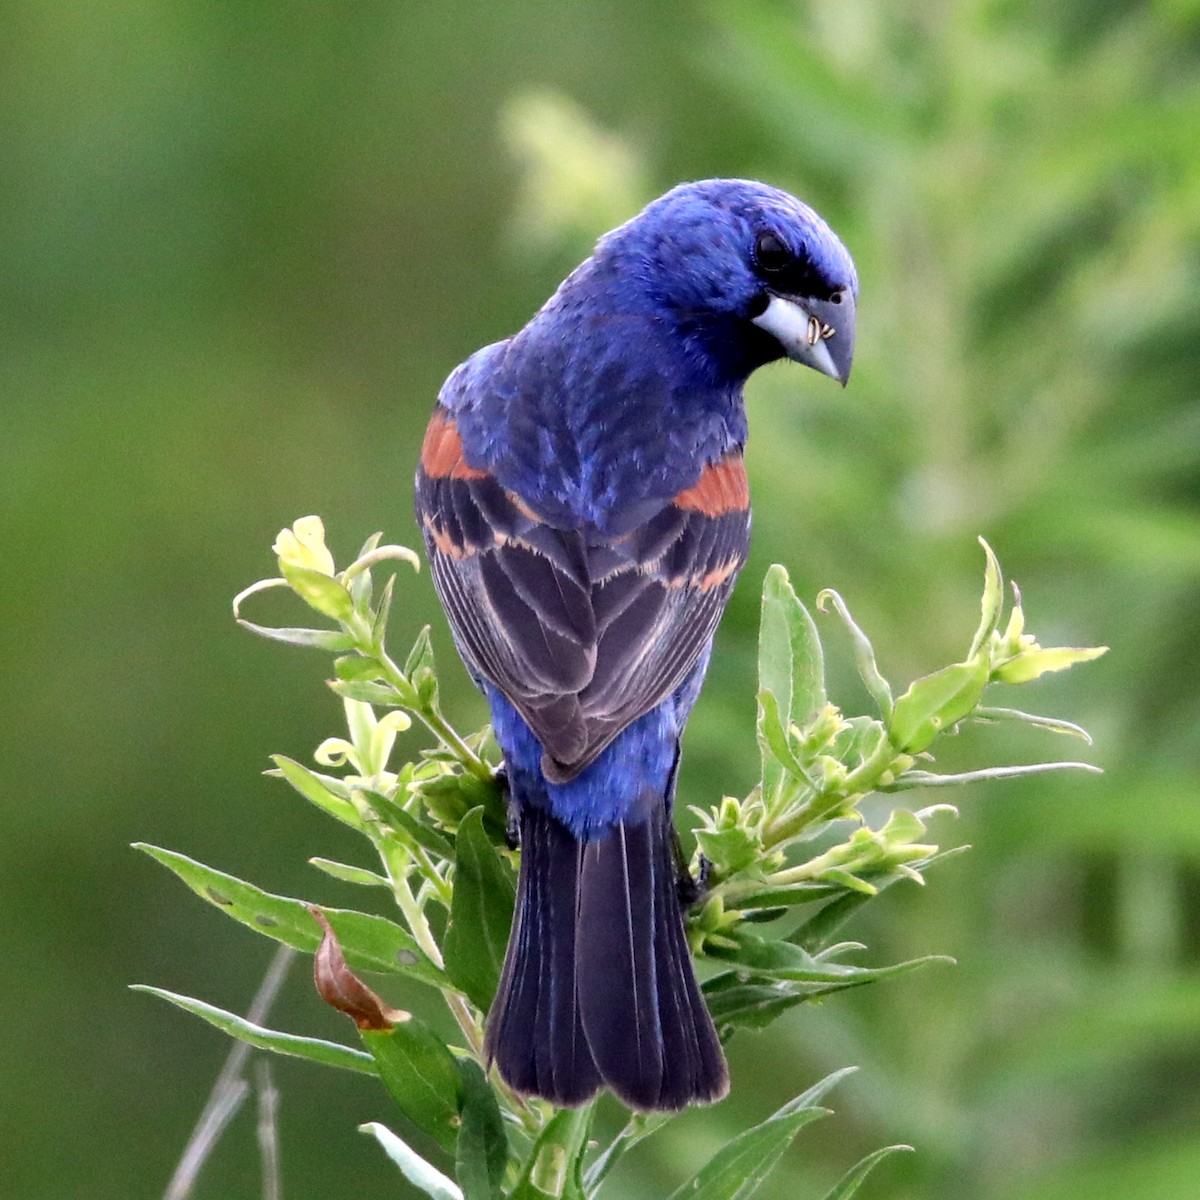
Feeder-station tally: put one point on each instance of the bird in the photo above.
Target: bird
(585, 509)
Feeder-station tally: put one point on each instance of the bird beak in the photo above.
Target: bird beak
(817, 333)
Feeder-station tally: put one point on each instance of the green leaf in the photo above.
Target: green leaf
(849, 880)
(791, 664)
(935, 702)
(359, 585)
(482, 1144)
(1053, 724)
(864, 653)
(318, 590)
(367, 692)
(371, 943)
(773, 738)
(738, 999)
(639, 1127)
(816, 932)
(420, 1073)
(311, 787)
(1032, 663)
(369, 545)
(737, 1170)
(420, 834)
(422, 1175)
(729, 850)
(481, 913)
(358, 666)
(914, 779)
(849, 1183)
(992, 603)
(449, 797)
(349, 874)
(555, 1164)
(420, 657)
(329, 1054)
(320, 639)
(752, 999)
(379, 625)
(787, 961)
(791, 675)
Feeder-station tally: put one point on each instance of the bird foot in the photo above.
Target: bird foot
(512, 824)
(693, 889)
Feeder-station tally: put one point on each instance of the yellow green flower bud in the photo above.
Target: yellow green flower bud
(304, 546)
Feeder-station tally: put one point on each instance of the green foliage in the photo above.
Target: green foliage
(436, 827)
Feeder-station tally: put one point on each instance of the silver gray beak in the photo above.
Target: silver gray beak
(817, 333)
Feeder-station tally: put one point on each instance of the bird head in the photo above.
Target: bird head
(746, 272)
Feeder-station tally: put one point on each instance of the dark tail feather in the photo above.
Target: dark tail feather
(646, 1023)
(598, 987)
(534, 1034)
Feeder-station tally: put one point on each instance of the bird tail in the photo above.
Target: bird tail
(598, 987)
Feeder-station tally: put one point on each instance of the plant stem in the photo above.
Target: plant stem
(413, 914)
(428, 715)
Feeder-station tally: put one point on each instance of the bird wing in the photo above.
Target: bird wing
(582, 632)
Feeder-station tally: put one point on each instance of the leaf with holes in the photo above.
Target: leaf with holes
(371, 943)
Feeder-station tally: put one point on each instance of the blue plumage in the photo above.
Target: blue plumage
(586, 512)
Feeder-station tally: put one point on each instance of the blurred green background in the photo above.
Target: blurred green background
(242, 244)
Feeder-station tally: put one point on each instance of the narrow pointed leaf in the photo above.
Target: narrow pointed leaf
(421, 655)
(422, 1175)
(379, 625)
(369, 545)
(850, 1182)
(771, 731)
(736, 999)
(864, 653)
(639, 1127)
(329, 1054)
(310, 786)
(815, 933)
(914, 779)
(1054, 724)
(992, 603)
(349, 874)
(420, 834)
(737, 1170)
(367, 692)
(480, 915)
(371, 943)
(784, 960)
(320, 639)
(482, 1151)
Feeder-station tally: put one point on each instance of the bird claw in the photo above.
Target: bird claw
(512, 824)
(691, 889)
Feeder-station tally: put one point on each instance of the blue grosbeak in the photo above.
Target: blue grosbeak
(585, 509)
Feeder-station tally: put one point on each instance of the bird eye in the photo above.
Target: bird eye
(837, 297)
(771, 255)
